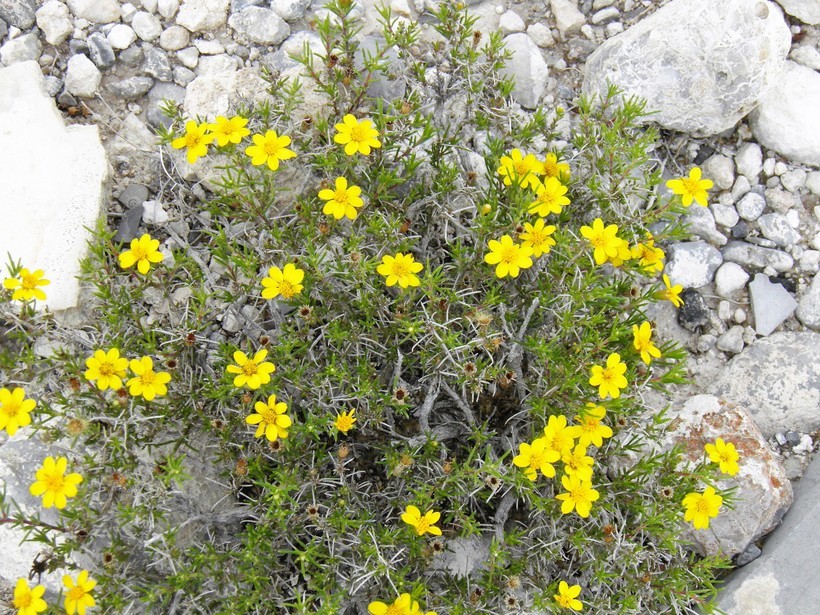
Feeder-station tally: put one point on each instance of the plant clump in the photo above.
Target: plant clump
(396, 330)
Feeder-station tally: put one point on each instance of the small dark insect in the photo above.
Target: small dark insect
(81, 110)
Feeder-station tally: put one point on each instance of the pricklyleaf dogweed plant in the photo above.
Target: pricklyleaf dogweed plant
(396, 328)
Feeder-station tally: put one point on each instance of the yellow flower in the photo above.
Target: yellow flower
(552, 168)
(609, 380)
(196, 140)
(400, 269)
(558, 436)
(537, 237)
(642, 340)
(422, 524)
(651, 256)
(143, 252)
(270, 418)
(603, 239)
(28, 601)
(403, 605)
(567, 596)
(54, 484)
(356, 136)
(26, 286)
(524, 170)
(700, 507)
(692, 187)
(229, 130)
(345, 420)
(107, 368)
(509, 257)
(286, 282)
(269, 148)
(15, 410)
(146, 381)
(592, 431)
(578, 463)
(579, 496)
(78, 596)
(252, 372)
(670, 293)
(725, 454)
(536, 457)
(623, 253)
(343, 201)
(550, 197)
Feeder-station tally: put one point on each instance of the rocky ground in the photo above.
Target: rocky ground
(738, 97)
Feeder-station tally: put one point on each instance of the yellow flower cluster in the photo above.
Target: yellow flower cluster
(26, 285)
(403, 605)
(567, 444)
(107, 368)
(15, 410)
(700, 507)
(29, 600)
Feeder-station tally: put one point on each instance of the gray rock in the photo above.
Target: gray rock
(121, 36)
(131, 88)
(807, 11)
(146, 26)
(388, 87)
(809, 261)
(741, 187)
(100, 51)
(167, 8)
(749, 160)
(813, 183)
(794, 180)
(605, 15)
(724, 215)
(784, 120)
(82, 78)
(154, 213)
(183, 76)
(807, 55)
(729, 279)
(751, 553)
(259, 25)
(510, 23)
(290, 10)
(751, 206)
(134, 195)
(129, 225)
(54, 85)
(701, 222)
(189, 57)
(701, 81)
(754, 256)
(201, 15)
(692, 264)
(764, 493)
(541, 35)
(18, 13)
(782, 201)
(133, 57)
(174, 38)
(52, 19)
(21, 49)
(721, 170)
(777, 228)
(732, 340)
(158, 65)
(156, 96)
(771, 304)
(568, 18)
(694, 313)
(96, 11)
(528, 68)
(808, 311)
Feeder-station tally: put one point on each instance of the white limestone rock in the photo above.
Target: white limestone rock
(219, 93)
(291, 10)
(721, 170)
(21, 49)
(510, 23)
(46, 212)
(776, 227)
(18, 13)
(121, 36)
(777, 380)
(82, 77)
(749, 160)
(146, 26)
(52, 19)
(729, 279)
(787, 120)
(541, 35)
(96, 11)
(174, 38)
(807, 11)
(167, 8)
(807, 55)
(201, 15)
(701, 222)
(258, 25)
(568, 18)
(771, 304)
(528, 68)
(808, 310)
(692, 264)
(701, 80)
(754, 256)
(764, 492)
(751, 206)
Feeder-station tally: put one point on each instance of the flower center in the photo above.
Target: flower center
(400, 269)
(551, 168)
(249, 369)
(344, 423)
(509, 255)
(268, 415)
(148, 378)
(192, 140)
(422, 526)
(393, 610)
(55, 482)
(340, 196)
(10, 409)
(272, 149)
(357, 133)
(599, 241)
(28, 281)
(702, 507)
(690, 185)
(579, 494)
(537, 460)
(76, 593)
(106, 369)
(286, 289)
(139, 253)
(23, 602)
